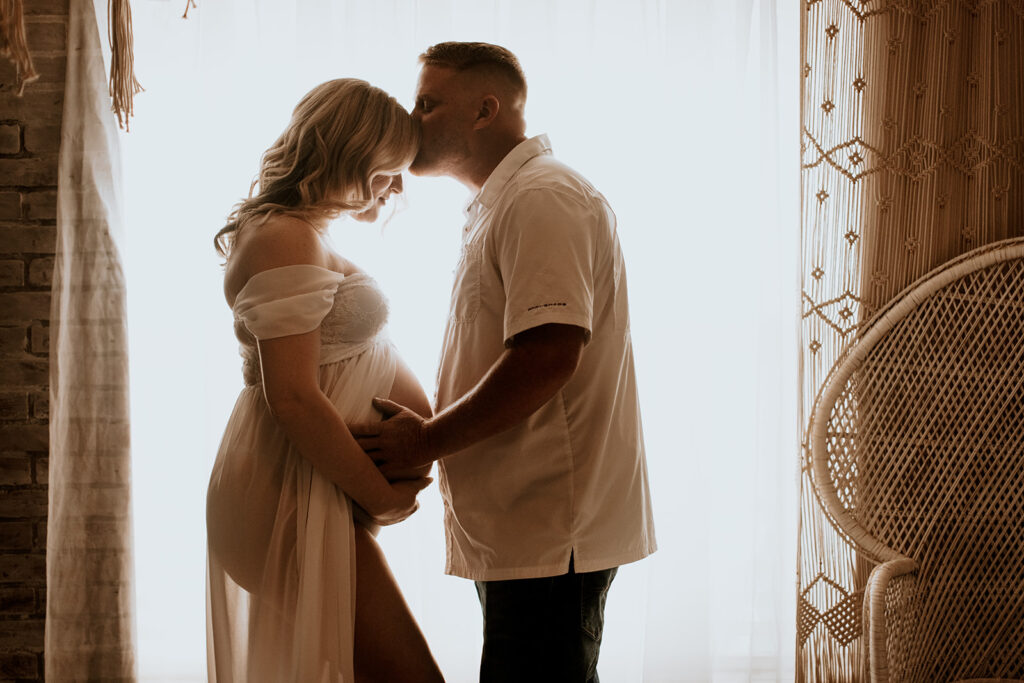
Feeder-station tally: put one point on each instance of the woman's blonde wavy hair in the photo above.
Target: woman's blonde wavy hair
(341, 135)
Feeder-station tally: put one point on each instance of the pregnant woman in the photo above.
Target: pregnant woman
(298, 589)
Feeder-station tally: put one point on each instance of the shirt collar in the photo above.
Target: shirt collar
(508, 167)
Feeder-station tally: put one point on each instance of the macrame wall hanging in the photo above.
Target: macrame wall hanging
(913, 153)
(123, 84)
(13, 44)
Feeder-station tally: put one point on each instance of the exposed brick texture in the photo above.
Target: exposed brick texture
(10, 206)
(29, 142)
(10, 138)
(12, 272)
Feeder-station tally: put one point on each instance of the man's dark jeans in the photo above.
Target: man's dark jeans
(548, 629)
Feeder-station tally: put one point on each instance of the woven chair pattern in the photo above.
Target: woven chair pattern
(918, 457)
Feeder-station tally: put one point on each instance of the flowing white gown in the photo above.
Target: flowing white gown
(280, 537)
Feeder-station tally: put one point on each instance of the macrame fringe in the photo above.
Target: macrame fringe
(123, 84)
(13, 44)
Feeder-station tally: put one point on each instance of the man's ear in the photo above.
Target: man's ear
(487, 112)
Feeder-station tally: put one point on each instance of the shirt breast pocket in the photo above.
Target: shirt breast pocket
(466, 290)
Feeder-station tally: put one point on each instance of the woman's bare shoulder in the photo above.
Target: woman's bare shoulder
(278, 241)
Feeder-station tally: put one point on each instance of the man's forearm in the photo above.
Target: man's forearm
(524, 378)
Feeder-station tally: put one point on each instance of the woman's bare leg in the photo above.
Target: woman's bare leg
(389, 645)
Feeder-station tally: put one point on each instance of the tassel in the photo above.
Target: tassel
(188, 4)
(13, 43)
(123, 84)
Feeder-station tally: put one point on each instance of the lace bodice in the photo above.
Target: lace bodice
(350, 310)
(358, 313)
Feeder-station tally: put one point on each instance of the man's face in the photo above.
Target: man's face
(446, 114)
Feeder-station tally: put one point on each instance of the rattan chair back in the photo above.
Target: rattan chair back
(917, 447)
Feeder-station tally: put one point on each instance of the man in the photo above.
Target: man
(537, 431)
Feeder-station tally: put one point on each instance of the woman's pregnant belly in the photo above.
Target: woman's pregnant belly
(256, 468)
(408, 391)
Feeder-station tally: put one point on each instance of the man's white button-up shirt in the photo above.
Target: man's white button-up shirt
(540, 247)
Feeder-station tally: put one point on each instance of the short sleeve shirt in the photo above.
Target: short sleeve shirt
(540, 247)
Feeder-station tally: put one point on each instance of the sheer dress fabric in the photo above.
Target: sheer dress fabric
(280, 537)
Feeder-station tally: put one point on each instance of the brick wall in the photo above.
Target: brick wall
(29, 140)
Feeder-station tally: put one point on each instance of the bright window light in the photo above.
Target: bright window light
(676, 113)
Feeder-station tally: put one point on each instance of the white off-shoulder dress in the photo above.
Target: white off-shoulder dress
(280, 537)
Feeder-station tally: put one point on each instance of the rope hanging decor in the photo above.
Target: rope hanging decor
(123, 84)
(912, 148)
(13, 44)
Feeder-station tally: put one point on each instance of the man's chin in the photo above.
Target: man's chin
(422, 167)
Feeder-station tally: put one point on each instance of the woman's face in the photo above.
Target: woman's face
(381, 188)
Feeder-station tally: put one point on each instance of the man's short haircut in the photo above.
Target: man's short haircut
(484, 57)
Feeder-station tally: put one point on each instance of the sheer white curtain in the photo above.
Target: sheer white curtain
(89, 588)
(682, 113)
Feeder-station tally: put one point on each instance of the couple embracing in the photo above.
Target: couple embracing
(535, 425)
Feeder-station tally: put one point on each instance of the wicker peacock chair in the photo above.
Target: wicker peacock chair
(917, 447)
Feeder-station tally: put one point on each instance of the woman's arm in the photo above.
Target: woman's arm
(291, 367)
(309, 419)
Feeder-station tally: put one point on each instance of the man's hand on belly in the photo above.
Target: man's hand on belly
(398, 444)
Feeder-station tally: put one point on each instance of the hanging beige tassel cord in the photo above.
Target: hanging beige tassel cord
(123, 84)
(13, 44)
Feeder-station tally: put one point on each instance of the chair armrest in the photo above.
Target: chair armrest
(876, 655)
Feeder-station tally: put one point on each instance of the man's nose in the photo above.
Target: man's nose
(396, 184)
